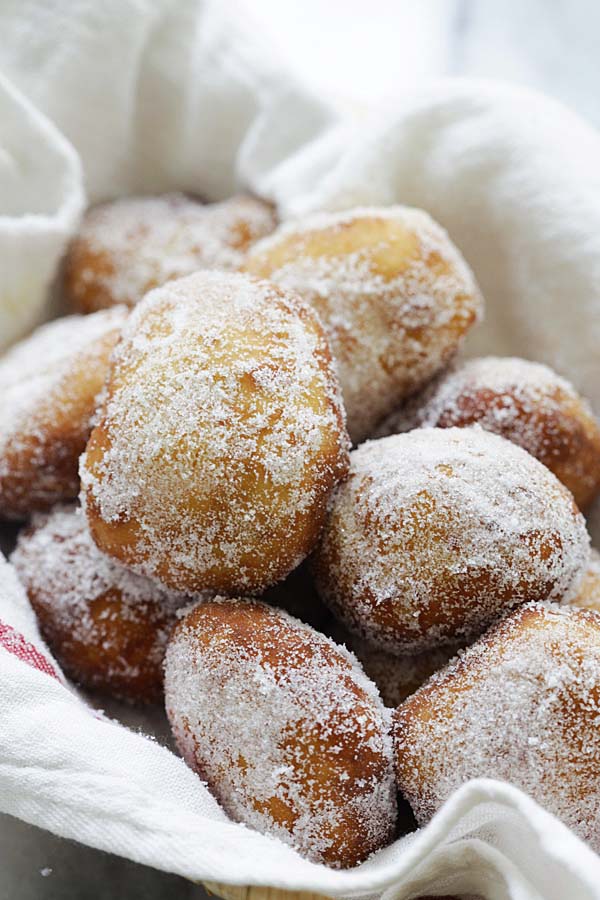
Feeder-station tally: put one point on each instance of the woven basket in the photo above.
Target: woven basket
(229, 892)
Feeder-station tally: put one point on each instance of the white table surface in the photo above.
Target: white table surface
(549, 46)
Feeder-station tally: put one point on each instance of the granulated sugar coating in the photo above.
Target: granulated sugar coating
(587, 596)
(107, 627)
(396, 677)
(525, 402)
(221, 437)
(128, 246)
(290, 735)
(437, 532)
(522, 705)
(49, 384)
(394, 293)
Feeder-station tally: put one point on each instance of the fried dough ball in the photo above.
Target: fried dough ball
(289, 734)
(394, 294)
(587, 596)
(220, 439)
(107, 627)
(525, 402)
(438, 532)
(127, 247)
(49, 384)
(396, 677)
(522, 705)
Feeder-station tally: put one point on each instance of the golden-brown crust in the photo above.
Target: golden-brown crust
(526, 403)
(127, 247)
(316, 771)
(569, 439)
(44, 431)
(396, 677)
(107, 627)
(212, 489)
(115, 636)
(393, 292)
(437, 532)
(520, 705)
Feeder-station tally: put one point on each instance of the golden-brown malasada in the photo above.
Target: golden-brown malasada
(107, 627)
(220, 438)
(49, 385)
(525, 402)
(439, 531)
(520, 705)
(394, 293)
(126, 247)
(284, 726)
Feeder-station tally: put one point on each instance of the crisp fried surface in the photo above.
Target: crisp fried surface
(220, 439)
(285, 727)
(523, 401)
(127, 247)
(49, 384)
(393, 292)
(437, 532)
(107, 627)
(521, 705)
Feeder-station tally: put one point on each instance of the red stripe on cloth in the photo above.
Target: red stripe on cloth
(16, 644)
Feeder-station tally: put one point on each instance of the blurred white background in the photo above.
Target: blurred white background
(372, 50)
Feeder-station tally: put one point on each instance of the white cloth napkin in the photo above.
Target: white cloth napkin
(99, 100)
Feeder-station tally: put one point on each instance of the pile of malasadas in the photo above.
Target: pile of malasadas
(208, 433)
